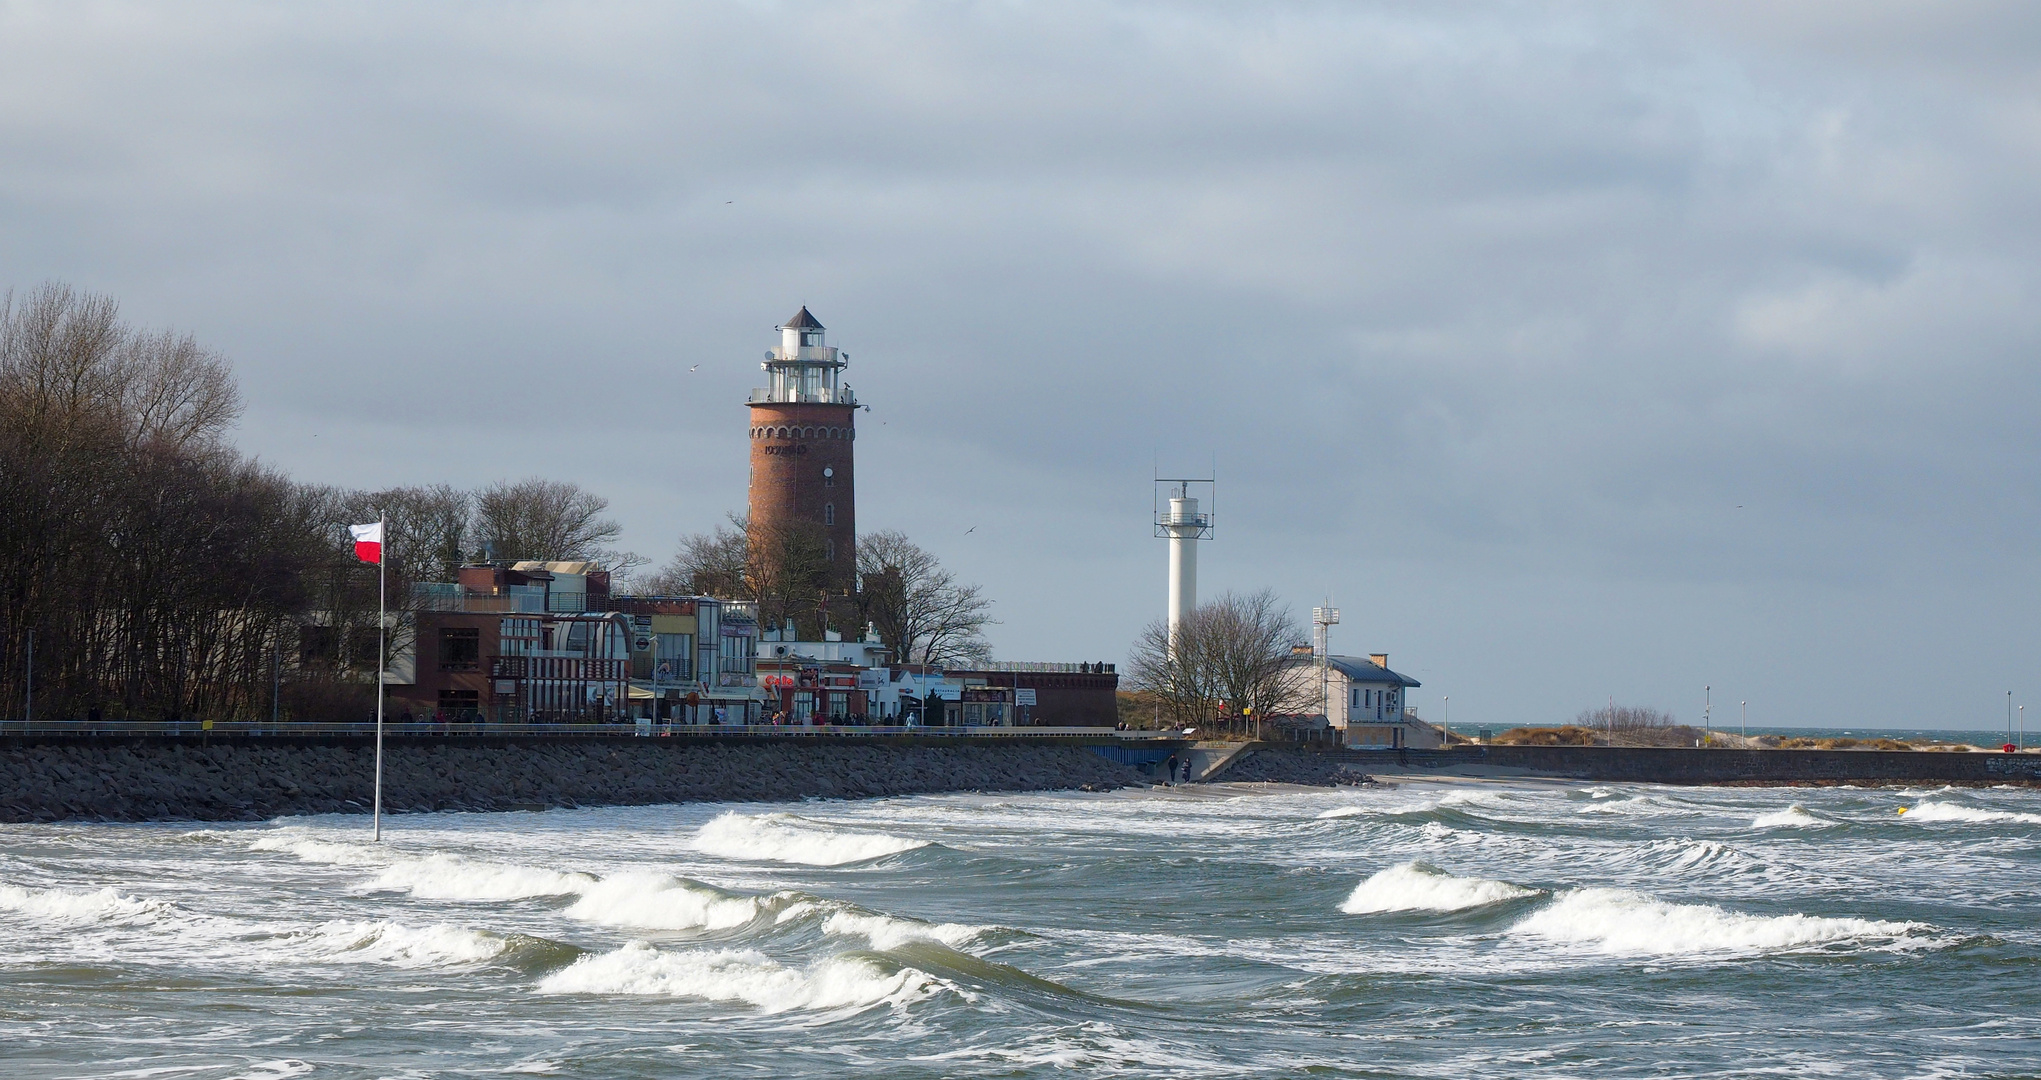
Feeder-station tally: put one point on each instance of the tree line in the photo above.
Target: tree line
(149, 570)
(920, 612)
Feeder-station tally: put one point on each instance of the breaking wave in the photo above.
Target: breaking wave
(1792, 817)
(1446, 800)
(836, 982)
(317, 851)
(454, 877)
(1619, 921)
(70, 907)
(887, 932)
(663, 902)
(786, 838)
(1415, 886)
(1939, 811)
(386, 942)
(1696, 856)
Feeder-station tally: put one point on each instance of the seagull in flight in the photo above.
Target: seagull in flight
(970, 530)
(693, 368)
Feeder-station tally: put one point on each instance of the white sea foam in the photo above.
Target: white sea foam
(1939, 811)
(455, 877)
(70, 907)
(1792, 817)
(1687, 855)
(1415, 886)
(888, 932)
(1619, 921)
(384, 942)
(740, 975)
(662, 902)
(1630, 805)
(310, 850)
(786, 838)
(1389, 809)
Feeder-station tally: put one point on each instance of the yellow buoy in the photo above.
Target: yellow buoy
(1902, 809)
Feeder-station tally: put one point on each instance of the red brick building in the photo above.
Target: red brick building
(803, 428)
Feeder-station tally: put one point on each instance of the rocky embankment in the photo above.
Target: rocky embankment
(116, 781)
(1292, 767)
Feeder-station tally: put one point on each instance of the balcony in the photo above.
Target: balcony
(766, 395)
(509, 600)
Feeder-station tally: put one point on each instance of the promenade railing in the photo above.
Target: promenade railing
(624, 730)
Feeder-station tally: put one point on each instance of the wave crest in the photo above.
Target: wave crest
(1415, 886)
(887, 932)
(1792, 817)
(71, 907)
(662, 902)
(836, 982)
(1972, 815)
(786, 838)
(1620, 921)
(454, 877)
(437, 945)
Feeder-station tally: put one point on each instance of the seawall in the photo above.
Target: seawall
(155, 778)
(1692, 765)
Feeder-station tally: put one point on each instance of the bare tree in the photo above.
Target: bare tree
(707, 564)
(1624, 718)
(788, 572)
(1227, 660)
(544, 519)
(428, 528)
(176, 394)
(922, 613)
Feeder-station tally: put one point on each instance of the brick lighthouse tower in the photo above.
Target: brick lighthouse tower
(802, 430)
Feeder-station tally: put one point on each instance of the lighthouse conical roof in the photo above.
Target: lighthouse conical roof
(802, 321)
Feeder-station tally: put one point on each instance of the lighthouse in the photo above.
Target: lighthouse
(1184, 524)
(803, 427)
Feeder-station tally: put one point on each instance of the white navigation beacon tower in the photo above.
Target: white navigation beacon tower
(1184, 525)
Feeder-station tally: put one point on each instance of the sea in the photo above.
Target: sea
(1985, 737)
(1414, 929)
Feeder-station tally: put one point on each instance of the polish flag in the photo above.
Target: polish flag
(368, 541)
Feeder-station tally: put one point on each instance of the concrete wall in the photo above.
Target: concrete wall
(1688, 765)
(145, 778)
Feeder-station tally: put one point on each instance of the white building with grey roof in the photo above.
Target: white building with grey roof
(1362, 698)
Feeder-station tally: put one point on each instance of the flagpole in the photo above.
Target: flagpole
(382, 574)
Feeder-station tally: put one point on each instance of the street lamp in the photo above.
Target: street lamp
(1743, 720)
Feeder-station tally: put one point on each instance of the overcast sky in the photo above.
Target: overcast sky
(1574, 350)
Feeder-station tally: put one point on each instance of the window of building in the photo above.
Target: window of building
(460, 648)
(362, 647)
(318, 646)
(829, 478)
(828, 513)
(460, 704)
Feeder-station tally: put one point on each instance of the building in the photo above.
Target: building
(1362, 698)
(694, 659)
(538, 643)
(803, 429)
(1044, 694)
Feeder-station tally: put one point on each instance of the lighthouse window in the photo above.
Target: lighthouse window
(829, 513)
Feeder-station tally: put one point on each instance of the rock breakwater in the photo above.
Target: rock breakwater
(1293, 767)
(245, 781)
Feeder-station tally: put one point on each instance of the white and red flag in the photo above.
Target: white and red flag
(368, 541)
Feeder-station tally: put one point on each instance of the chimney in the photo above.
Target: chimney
(1379, 659)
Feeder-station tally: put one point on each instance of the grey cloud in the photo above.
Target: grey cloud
(1490, 314)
